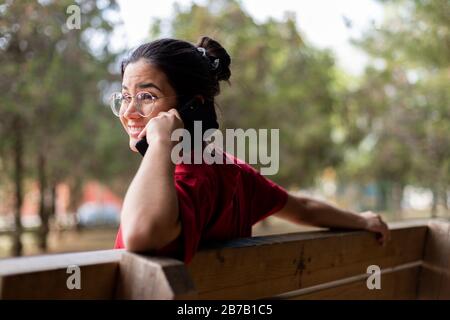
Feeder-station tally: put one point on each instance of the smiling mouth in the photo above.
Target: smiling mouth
(135, 130)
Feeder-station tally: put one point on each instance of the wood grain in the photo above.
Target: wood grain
(400, 285)
(251, 268)
(143, 277)
(434, 279)
(274, 265)
(45, 277)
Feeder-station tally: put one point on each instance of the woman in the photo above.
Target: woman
(172, 209)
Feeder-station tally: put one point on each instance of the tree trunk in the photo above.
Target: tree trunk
(444, 199)
(397, 197)
(76, 190)
(434, 202)
(53, 200)
(382, 196)
(18, 181)
(43, 203)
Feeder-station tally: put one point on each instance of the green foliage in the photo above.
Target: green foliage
(278, 81)
(390, 126)
(52, 79)
(403, 101)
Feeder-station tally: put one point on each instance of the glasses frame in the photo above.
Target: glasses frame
(138, 105)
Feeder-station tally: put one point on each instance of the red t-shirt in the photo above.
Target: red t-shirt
(218, 202)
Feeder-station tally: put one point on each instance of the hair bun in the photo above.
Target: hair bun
(214, 50)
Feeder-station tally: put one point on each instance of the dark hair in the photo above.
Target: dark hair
(190, 71)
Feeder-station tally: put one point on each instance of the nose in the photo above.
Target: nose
(131, 112)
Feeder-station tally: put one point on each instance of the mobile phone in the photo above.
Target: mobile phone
(187, 114)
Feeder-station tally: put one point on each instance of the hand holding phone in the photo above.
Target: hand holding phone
(186, 114)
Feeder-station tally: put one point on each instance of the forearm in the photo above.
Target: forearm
(313, 212)
(150, 209)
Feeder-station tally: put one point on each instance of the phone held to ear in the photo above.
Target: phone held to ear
(186, 116)
(142, 146)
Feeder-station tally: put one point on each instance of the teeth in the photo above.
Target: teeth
(135, 129)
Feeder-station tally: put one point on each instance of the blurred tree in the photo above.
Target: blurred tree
(401, 107)
(53, 81)
(390, 126)
(278, 81)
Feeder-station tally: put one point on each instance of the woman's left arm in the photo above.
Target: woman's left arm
(305, 210)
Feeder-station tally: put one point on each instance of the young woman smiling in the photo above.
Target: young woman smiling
(172, 208)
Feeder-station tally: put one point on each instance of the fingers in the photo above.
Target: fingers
(174, 112)
(385, 234)
(170, 113)
(376, 224)
(381, 238)
(172, 121)
(386, 228)
(143, 133)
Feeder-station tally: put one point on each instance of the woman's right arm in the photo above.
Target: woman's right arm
(150, 218)
(309, 211)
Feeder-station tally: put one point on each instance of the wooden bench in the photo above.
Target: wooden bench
(310, 265)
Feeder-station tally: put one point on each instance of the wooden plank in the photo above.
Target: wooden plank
(144, 277)
(264, 267)
(45, 277)
(400, 285)
(248, 268)
(434, 280)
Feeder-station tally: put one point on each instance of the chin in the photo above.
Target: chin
(133, 142)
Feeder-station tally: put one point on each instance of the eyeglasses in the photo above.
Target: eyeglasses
(144, 103)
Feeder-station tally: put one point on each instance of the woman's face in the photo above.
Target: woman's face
(141, 76)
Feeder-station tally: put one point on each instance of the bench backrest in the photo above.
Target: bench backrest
(309, 265)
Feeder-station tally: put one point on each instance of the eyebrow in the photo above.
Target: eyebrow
(144, 86)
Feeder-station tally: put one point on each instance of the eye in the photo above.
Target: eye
(145, 97)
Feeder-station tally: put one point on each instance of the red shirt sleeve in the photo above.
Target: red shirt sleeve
(267, 197)
(119, 242)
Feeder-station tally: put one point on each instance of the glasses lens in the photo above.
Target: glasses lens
(145, 102)
(117, 104)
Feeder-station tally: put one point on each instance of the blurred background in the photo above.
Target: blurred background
(358, 88)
